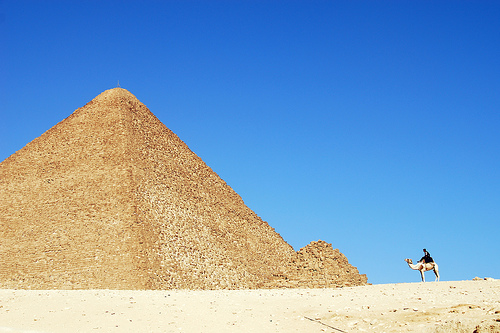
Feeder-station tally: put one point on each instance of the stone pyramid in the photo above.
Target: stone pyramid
(111, 198)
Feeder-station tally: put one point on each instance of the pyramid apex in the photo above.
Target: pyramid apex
(118, 91)
(115, 95)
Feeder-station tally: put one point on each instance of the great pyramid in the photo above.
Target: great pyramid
(111, 198)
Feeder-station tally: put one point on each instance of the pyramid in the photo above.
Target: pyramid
(110, 198)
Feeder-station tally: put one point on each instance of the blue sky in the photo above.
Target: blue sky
(372, 125)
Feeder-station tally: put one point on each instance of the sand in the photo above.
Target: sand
(457, 306)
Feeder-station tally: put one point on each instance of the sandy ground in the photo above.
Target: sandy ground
(407, 307)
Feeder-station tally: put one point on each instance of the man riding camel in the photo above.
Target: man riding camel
(426, 258)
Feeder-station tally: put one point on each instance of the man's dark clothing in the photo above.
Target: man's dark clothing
(426, 258)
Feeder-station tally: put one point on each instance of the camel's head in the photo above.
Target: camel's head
(409, 261)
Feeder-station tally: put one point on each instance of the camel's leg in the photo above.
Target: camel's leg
(423, 276)
(436, 272)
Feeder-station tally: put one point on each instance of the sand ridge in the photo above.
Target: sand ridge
(457, 306)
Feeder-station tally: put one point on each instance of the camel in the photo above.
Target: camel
(424, 267)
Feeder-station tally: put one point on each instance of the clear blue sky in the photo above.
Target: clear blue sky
(372, 125)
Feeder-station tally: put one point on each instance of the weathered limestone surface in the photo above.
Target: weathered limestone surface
(111, 198)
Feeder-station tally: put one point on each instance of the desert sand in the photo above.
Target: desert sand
(456, 306)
